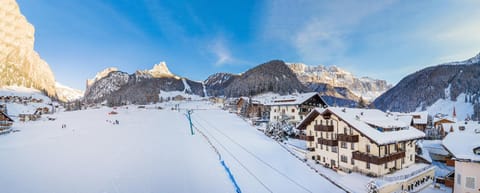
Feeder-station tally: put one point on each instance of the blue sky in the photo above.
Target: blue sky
(381, 39)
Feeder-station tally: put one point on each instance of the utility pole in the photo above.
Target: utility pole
(189, 117)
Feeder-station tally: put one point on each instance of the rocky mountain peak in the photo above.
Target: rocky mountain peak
(101, 75)
(365, 87)
(160, 70)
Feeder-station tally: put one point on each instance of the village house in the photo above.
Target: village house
(464, 146)
(366, 141)
(293, 108)
(438, 123)
(251, 108)
(418, 120)
(5, 122)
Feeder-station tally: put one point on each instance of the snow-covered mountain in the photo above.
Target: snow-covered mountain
(101, 75)
(365, 87)
(65, 93)
(438, 89)
(143, 86)
(20, 63)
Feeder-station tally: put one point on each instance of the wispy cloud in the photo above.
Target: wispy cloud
(220, 49)
(318, 31)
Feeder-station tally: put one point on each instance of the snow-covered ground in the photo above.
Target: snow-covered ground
(150, 150)
(445, 106)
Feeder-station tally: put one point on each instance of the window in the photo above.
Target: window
(459, 179)
(274, 110)
(323, 159)
(386, 165)
(411, 157)
(470, 182)
(352, 161)
(368, 165)
(293, 110)
(326, 147)
(403, 160)
(334, 149)
(352, 146)
(344, 159)
(343, 145)
(321, 146)
(368, 148)
(345, 130)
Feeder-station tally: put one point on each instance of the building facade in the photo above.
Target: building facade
(294, 108)
(365, 141)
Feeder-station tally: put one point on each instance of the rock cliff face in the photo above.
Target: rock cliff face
(365, 87)
(20, 65)
(420, 90)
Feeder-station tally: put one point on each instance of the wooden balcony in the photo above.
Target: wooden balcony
(305, 137)
(328, 142)
(327, 128)
(348, 138)
(375, 159)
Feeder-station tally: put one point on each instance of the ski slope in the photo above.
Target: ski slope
(150, 150)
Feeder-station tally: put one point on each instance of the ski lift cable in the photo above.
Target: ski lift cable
(233, 156)
(255, 156)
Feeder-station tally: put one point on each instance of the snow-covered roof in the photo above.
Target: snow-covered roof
(294, 99)
(417, 117)
(462, 143)
(437, 119)
(461, 125)
(367, 122)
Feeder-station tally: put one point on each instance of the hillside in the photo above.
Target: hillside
(273, 76)
(437, 89)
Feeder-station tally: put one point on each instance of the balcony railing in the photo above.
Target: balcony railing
(328, 128)
(305, 137)
(328, 142)
(348, 138)
(377, 160)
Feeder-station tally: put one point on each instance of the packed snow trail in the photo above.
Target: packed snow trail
(256, 157)
(229, 173)
(241, 164)
(270, 163)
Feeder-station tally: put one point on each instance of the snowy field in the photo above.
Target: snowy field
(150, 150)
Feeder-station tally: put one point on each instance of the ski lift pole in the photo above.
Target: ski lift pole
(189, 117)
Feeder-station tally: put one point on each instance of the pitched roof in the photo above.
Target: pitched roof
(461, 125)
(367, 122)
(294, 99)
(6, 116)
(417, 117)
(461, 144)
